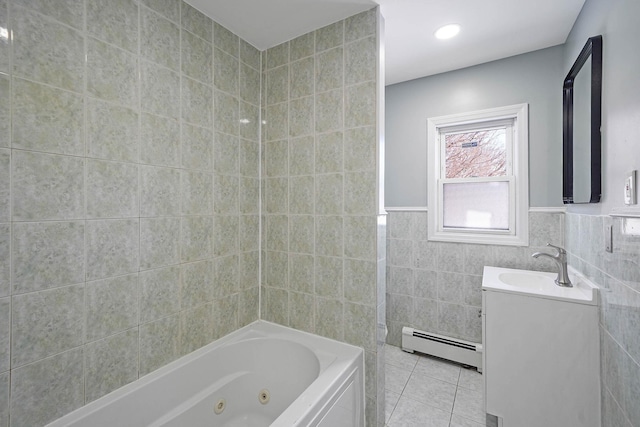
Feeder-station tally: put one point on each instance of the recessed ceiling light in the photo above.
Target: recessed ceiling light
(447, 31)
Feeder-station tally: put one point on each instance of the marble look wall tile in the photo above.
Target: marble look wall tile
(301, 273)
(248, 270)
(160, 141)
(225, 315)
(111, 306)
(196, 22)
(112, 247)
(329, 273)
(329, 194)
(248, 233)
(197, 58)
(48, 389)
(359, 237)
(451, 319)
(249, 158)
(476, 257)
(168, 8)
(196, 103)
(5, 339)
(159, 242)
(401, 225)
(70, 12)
(400, 253)
(276, 270)
(400, 308)
(275, 158)
(329, 36)
(277, 56)
(301, 79)
(276, 193)
(115, 22)
(301, 156)
(5, 187)
(226, 233)
(47, 186)
(228, 42)
(46, 51)
(360, 149)
(112, 74)
(46, 119)
(329, 236)
(360, 193)
(328, 109)
(226, 112)
(546, 228)
(400, 280)
(329, 70)
(360, 281)
(159, 293)
(277, 122)
(358, 329)
(329, 152)
(5, 107)
(302, 46)
(227, 154)
(249, 55)
(329, 318)
(248, 200)
(249, 122)
(197, 238)
(301, 116)
(112, 190)
(47, 255)
(4, 399)
(277, 83)
(226, 193)
(110, 363)
(159, 38)
(301, 236)
(197, 193)
(425, 315)
(450, 287)
(225, 71)
(195, 327)
(360, 25)
(249, 84)
(197, 284)
(160, 191)
(197, 147)
(225, 276)
(301, 311)
(358, 100)
(5, 267)
(301, 195)
(45, 323)
(112, 132)
(360, 61)
(160, 88)
(450, 257)
(275, 305)
(159, 343)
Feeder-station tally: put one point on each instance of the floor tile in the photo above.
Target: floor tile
(396, 356)
(409, 413)
(396, 378)
(439, 369)
(390, 401)
(458, 421)
(431, 391)
(469, 404)
(471, 379)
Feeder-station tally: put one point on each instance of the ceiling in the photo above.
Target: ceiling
(491, 29)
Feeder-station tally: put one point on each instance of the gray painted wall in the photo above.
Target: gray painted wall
(617, 21)
(534, 78)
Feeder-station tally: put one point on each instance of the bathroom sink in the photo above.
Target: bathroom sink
(539, 284)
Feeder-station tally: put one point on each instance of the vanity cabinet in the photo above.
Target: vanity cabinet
(541, 353)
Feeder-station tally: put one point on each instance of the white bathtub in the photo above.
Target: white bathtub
(309, 381)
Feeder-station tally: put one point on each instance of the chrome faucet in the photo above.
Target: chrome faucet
(561, 261)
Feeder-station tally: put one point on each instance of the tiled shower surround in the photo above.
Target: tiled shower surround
(319, 195)
(618, 275)
(130, 193)
(436, 286)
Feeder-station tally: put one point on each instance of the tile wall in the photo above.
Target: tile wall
(618, 275)
(320, 160)
(436, 286)
(129, 207)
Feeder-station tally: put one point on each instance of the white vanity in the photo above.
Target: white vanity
(541, 349)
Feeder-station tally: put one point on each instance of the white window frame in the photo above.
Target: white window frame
(517, 176)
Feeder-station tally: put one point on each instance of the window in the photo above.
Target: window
(478, 184)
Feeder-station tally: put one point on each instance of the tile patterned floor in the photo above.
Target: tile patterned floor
(423, 391)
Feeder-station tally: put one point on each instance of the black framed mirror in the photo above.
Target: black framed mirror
(581, 120)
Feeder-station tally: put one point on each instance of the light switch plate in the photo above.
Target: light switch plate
(630, 197)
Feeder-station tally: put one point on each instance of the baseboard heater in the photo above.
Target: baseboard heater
(460, 351)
